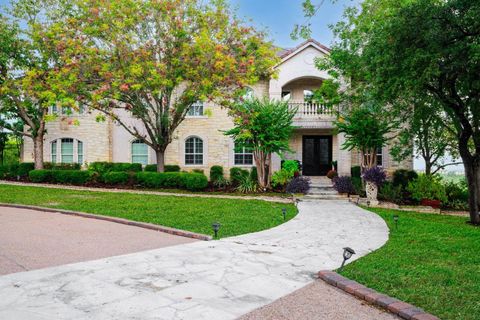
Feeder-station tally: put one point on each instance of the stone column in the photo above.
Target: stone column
(344, 157)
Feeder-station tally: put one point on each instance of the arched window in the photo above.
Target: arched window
(193, 151)
(66, 150)
(139, 152)
(196, 109)
(243, 154)
(249, 94)
(307, 96)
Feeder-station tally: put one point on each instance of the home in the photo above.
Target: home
(199, 142)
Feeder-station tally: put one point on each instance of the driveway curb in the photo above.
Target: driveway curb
(402, 309)
(173, 231)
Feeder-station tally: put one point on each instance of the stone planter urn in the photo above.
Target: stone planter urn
(372, 192)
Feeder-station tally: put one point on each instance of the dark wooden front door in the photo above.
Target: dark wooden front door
(317, 155)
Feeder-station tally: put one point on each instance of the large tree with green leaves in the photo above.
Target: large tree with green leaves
(265, 126)
(29, 79)
(151, 60)
(404, 49)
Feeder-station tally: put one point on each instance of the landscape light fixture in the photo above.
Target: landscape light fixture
(347, 254)
(284, 212)
(216, 226)
(395, 219)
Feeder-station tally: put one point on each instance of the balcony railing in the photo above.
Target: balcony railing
(306, 110)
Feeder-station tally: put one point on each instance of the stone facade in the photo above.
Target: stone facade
(105, 141)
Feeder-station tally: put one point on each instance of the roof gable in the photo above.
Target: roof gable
(289, 53)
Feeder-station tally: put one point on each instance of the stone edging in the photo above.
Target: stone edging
(173, 231)
(402, 309)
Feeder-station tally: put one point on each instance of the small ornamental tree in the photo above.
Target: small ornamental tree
(152, 60)
(266, 127)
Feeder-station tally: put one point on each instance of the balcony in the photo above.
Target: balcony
(312, 115)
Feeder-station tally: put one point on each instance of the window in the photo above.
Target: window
(196, 109)
(54, 151)
(66, 149)
(67, 111)
(307, 95)
(379, 157)
(80, 152)
(286, 95)
(194, 151)
(243, 155)
(249, 94)
(53, 109)
(139, 152)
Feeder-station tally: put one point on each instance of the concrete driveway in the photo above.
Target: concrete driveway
(221, 279)
(31, 239)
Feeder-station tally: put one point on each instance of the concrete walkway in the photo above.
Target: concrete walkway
(202, 280)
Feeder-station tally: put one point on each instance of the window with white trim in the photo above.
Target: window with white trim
(243, 155)
(196, 109)
(80, 152)
(307, 96)
(139, 152)
(380, 157)
(66, 150)
(53, 152)
(194, 151)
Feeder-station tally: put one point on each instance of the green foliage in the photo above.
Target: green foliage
(24, 168)
(216, 173)
(104, 167)
(40, 176)
(403, 177)
(61, 166)
(356, 171)
(237, 175)
(291, 166)
(76, 177)
(190, 181)
(457, 195)
(196, 181)
(116, 178)
(281, 178)
(247, 185)
(358, 185)
(8, 171)
(328, 94)
(391, 192)
(254, 174)
(168, 168)
(221, 183)
(427, 187)
(198, 171)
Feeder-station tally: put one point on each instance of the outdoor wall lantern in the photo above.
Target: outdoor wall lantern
(347, 254)
(284, 212)
(395, 219)
(216, 226)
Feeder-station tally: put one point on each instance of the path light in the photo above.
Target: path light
(284, 212)
(395, 219)
(216, 226)
(347, 254)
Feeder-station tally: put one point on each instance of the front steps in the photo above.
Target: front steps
(321, 189)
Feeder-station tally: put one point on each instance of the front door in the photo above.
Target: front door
(317, 155)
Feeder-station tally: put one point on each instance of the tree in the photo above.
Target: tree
(266, 127)
(404, 49)
(425, 133)
(151, 60)
(28, 70)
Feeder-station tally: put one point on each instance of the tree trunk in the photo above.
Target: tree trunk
(263, 161)
(472, 172)
(428, 167)
(160, 160)
(38, 151)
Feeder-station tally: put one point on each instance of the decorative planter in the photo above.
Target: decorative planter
(372, 191)
(436, 204)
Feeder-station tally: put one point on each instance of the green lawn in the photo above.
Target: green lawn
(431, 261)
(192, 214)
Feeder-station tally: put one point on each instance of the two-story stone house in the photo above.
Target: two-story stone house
(199, 142)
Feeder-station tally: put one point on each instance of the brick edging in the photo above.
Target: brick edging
(173, 231)
(402, 309)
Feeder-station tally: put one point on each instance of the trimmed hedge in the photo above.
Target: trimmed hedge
(402, 177)
(190, 181)
(216, 173)
(356, 172)
(168, 168)
(237, 175)
(114, 177)
(76, 177)
(104, 167)
(24, 168)
(62, 166)
(8, 171)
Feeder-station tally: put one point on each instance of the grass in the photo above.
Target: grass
(431, 261)
(186, 213)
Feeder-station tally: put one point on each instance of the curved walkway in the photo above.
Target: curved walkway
(202, 280)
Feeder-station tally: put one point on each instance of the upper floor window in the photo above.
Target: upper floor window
(194, 151)
(307, 95)
(196, 109)
(243, 154)
(139, 152)
(66, 150)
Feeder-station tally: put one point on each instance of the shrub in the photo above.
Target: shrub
(221, 183)
(167, 168)
(195, 181)
(427, 187)
(115, 177)
(402, 177)
(77, 177)
(358, 186)
(332, 174)
(62, 166)
(299, 185)
(40, 175)
(172, 168)
(375, 175)
(291, 166)
(254, 174)
(343, 185)
(457, 195)
(104, 167)
(24, 168)
(216, 173)
(356, 172)
(247, 185)
(391, 192)
(281, 178)
(150, 168)
(236, 175)
(8, 171)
